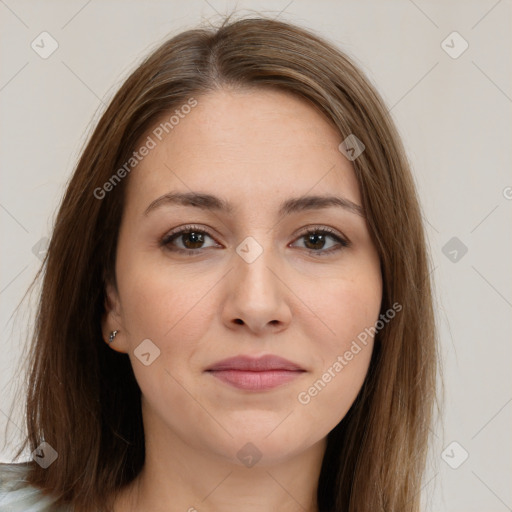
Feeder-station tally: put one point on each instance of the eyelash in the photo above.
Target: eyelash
(170, 237)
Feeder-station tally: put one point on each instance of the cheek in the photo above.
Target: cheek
(156, 295)
(343, 309)
(171, 307)
(174, 311)
(343, 352)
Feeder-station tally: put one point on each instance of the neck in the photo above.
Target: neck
(179, 477)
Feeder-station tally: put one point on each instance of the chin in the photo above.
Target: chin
(264, 446)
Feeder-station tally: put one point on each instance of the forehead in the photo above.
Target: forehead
(248, 146)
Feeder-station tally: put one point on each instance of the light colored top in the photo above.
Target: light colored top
(16, 495)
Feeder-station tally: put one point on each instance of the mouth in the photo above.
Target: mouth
(255, 374)
(255, 381)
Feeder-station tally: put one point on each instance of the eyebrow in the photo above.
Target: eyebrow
(288, 207)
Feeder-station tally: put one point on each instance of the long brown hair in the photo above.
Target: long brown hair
(82, 397)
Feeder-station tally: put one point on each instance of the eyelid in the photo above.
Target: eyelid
(185, 229)
(342, 240)
(326, 229)
(303, 231)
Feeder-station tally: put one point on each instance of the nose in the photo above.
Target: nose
(256, 295)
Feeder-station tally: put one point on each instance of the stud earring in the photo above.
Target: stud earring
(112, 336)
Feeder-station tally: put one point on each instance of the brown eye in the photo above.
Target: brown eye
(192, 239)
(315, 241)
(187, 240)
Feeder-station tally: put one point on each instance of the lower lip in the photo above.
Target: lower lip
(255, 381)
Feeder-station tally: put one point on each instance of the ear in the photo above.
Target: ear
(112, 320)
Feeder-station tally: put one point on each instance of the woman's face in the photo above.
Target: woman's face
(244, 279)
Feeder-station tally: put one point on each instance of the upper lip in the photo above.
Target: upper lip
(255, 364)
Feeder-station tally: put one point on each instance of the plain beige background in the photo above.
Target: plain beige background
(452, 110)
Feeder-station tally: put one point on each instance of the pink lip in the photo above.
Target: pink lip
(255, 374)
(255, 364)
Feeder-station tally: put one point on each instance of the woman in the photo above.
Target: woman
(236, 311)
